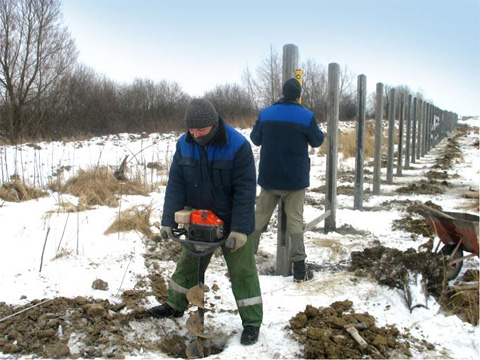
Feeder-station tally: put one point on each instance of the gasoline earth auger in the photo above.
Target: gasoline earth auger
(200, 232)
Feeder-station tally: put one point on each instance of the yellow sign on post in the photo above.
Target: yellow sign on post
(299, 76)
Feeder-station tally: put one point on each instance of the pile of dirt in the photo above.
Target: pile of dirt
(82, 327)
(413, 225)
(323, 333)
(451, 154)
(438, 175)
(423, 187)
(45, 329)
(162, 249)
(414, 221)
(390, 266)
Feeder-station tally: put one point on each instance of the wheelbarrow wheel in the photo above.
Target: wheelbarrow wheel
(453, 269)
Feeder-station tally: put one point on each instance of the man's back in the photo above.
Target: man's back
(284, 130)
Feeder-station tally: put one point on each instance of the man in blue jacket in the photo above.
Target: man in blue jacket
(284, 130)
(213, 169)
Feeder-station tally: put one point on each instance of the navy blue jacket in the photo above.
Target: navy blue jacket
(284, 130)
(219, 177)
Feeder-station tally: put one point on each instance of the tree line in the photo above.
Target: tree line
(45, 93)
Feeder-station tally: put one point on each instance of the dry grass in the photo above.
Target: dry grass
(63, 253)
(68, 207)
(17, 191)
(99, 186)
(244, 122)
(463, 300)
(136, 218)
(347, 142)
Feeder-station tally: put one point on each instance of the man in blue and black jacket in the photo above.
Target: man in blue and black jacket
(284, 130)
(213, 169)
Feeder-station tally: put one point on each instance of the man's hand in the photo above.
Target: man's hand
(166, 232)
(235, 241)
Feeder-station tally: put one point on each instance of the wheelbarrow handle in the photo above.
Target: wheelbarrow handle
(435, 212)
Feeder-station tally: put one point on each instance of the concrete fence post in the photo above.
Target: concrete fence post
(424, 128)
(391, 134)
(377, 155)
(429, 128)
(333, 96)
(360, 129)
(414, 129)
(408, 134)
(400, 136)
(290, 61)
(420, 131)
(284, 267)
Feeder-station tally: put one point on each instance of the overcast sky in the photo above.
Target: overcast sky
(430, 46)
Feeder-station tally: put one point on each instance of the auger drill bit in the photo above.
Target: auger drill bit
(196, 322)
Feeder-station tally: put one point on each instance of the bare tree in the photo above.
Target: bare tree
(250, 85)
(269, 77)
(314, 88)
(149, 106)
(36, 51)
(232, 102)
(348, 95)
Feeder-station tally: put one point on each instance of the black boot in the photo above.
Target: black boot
(300, 272)
(249, 335)
(163, 311)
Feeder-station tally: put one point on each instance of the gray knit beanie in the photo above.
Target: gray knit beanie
(291, 89)
(200, 113)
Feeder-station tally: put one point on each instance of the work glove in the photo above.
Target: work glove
(166, 232)
(235, 241)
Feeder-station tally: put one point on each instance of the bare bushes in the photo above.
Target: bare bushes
(99, 186)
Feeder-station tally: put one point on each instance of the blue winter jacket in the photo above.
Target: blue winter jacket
(284, 130)
(219, 177)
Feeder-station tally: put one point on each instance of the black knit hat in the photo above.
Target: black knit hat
(200, 113)
(291, 89)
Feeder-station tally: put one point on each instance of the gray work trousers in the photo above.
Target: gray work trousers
(293, 200)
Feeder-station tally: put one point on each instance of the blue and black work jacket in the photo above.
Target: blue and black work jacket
(219, 177)
(284, 130)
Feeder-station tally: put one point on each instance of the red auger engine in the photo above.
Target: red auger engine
(200, 225)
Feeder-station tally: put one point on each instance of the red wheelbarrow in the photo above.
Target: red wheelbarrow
(458, 232)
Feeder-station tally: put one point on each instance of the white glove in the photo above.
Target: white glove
(166, 232)
(235, 241)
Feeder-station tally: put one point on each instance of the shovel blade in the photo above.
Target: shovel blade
(195, 325)
(195, 296)
(414, 290)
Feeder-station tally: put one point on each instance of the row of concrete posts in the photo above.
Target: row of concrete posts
(421, 124)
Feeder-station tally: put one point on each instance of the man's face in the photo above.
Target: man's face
(197, 132)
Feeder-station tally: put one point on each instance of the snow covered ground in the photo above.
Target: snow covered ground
(32, 238)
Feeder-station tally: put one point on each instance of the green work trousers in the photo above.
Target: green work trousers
(243, 276)
(293, 200)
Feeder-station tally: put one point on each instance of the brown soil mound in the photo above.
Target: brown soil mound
(324, 335)
(389, 267)
(81, 327)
